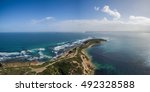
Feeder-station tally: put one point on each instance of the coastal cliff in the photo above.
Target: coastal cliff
(74, 61)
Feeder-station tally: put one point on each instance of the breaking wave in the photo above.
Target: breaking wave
(38, 53)
(33, 54)
(64, 46)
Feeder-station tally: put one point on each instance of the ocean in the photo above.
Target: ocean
(124, 53)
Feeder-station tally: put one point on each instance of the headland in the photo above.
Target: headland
(74, 61)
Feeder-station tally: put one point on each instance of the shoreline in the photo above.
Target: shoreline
(75, 61)
(90, 59)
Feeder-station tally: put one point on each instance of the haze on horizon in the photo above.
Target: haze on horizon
(74, 15)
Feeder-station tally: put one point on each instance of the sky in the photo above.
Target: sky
(74, 15)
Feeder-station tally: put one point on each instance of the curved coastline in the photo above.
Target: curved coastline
(75, 61)
(90, 60)
(77, 58)
(85, 51)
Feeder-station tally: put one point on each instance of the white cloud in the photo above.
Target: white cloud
(103, 25)
(46, 19)
(96, 8)
(81, 25)
(139, 20)
(49, 18)
(114, 13)
(133, 23)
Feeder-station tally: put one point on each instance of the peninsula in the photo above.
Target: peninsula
(74, 61)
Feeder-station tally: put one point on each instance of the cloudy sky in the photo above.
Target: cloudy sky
(74, 15)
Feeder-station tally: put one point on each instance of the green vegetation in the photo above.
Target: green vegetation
(74, 61)
(14, 71)
(65, 67)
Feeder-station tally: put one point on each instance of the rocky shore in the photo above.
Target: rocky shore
(75, 61)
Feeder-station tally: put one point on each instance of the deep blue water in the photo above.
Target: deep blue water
(34, 45)
(11, 42)
(123, 53)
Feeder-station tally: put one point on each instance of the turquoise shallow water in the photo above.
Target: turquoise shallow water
(37, 45)
(123, 53)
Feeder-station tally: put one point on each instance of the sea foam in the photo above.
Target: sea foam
(68, 45)
(24, 54)
(6, 54)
